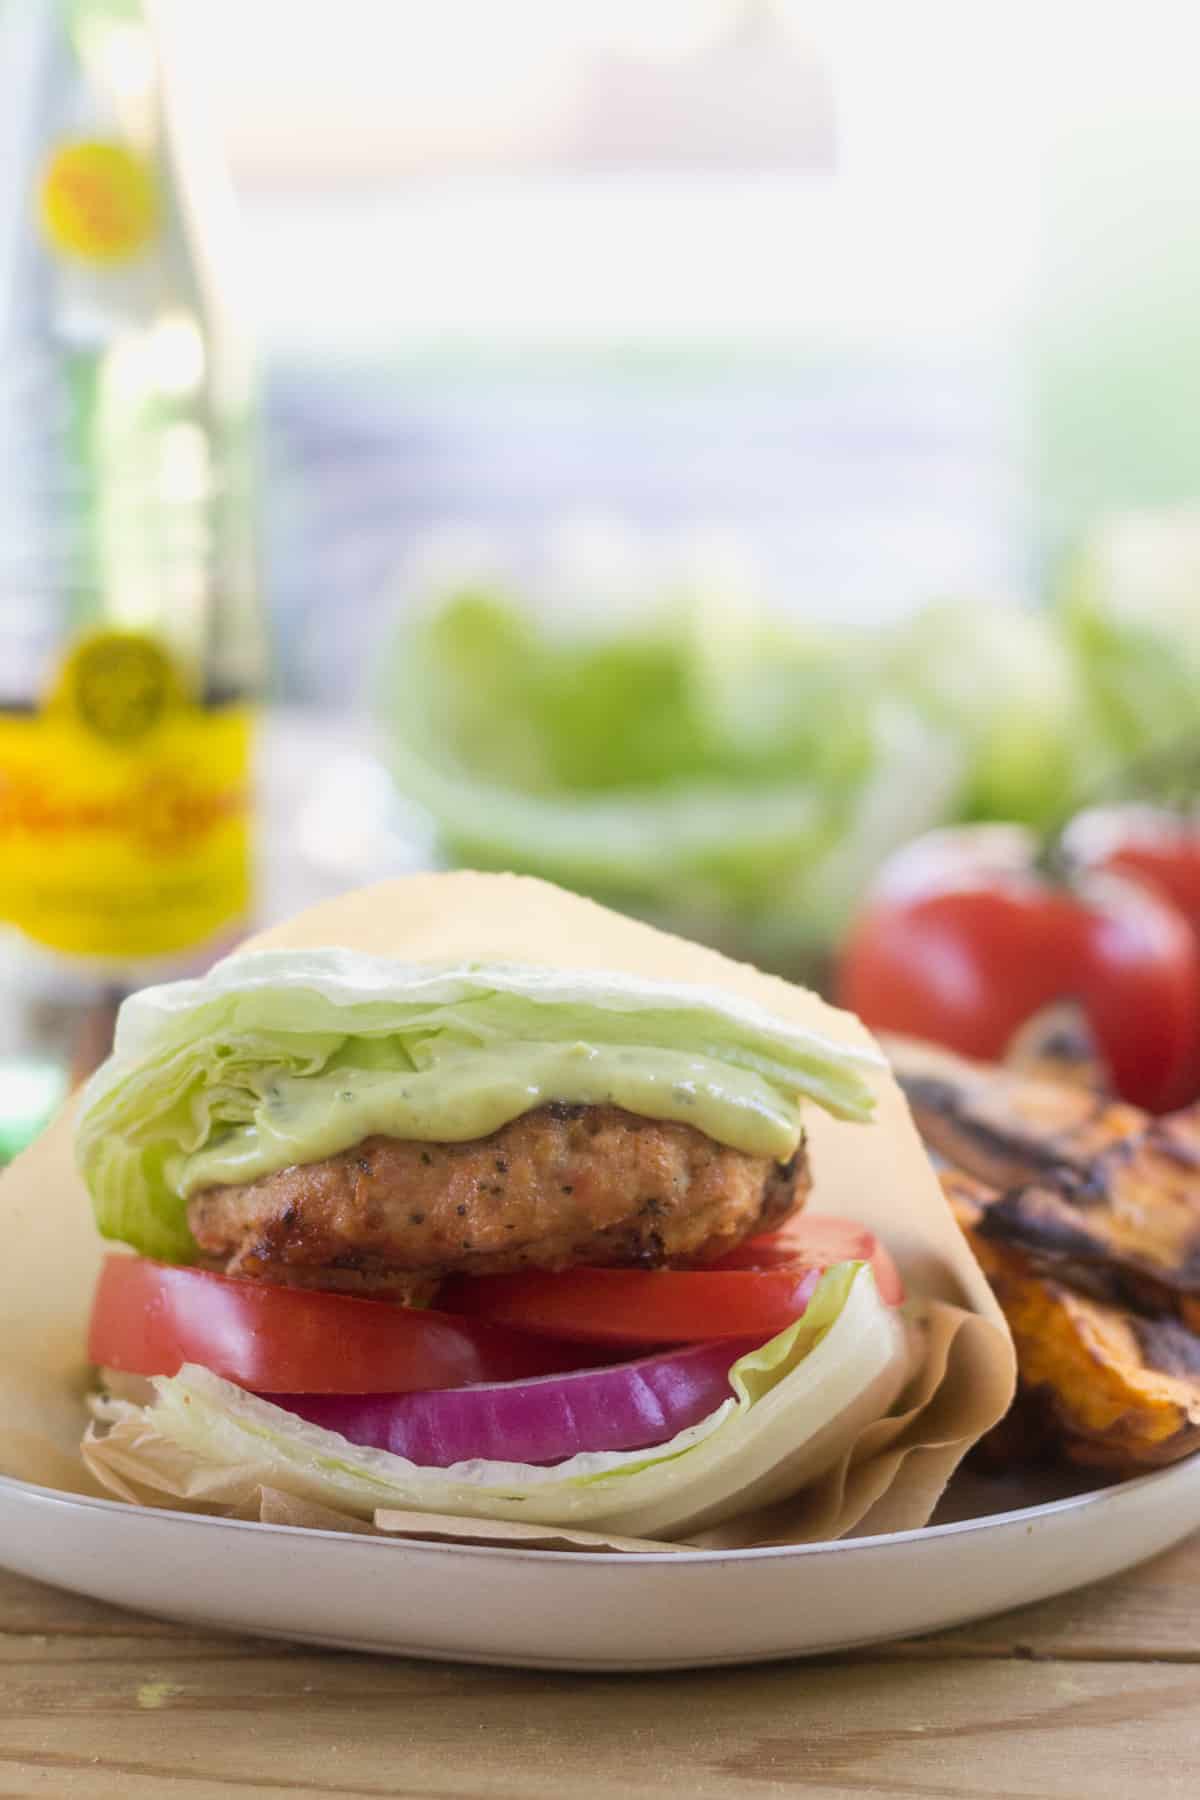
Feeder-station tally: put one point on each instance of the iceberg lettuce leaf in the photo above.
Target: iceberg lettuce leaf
(694, 762)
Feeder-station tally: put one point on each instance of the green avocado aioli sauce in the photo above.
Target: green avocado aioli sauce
(468, 1094)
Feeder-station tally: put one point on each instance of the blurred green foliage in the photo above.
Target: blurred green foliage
(715, 765)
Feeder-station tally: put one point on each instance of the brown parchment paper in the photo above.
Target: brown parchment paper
(889, 1480)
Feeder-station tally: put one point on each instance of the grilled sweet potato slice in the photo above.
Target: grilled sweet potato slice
(1100, 1385)
(1057, 1045)
(1002, 1126)
(1104, 1196)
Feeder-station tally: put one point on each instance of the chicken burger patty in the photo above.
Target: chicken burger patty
(559, 1186)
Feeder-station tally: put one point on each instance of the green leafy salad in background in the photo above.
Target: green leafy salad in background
(739, 775)
(1131, 605)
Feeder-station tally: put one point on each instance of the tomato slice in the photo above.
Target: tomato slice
(639, 1308)
(149, 1319)
(821, 1240)
(757, 1290)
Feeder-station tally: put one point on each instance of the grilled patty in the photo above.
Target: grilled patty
(559, 1186)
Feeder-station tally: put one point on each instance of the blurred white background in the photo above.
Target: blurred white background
(897, 291)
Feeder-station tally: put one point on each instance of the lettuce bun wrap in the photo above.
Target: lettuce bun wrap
(463, 1195)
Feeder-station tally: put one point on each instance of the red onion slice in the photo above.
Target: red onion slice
(628, 1406)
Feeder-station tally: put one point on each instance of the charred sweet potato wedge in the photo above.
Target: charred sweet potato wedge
(1103, 1196)
(1100, 1384)
(1057, 1045)
(1005, 1127)
(1084, 1215)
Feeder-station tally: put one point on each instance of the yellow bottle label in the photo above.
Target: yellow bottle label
(98, 201)
(124, 807)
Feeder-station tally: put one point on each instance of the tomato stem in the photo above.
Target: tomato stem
(1167, 777)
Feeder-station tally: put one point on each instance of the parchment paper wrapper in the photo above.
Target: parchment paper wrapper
(888, 1480)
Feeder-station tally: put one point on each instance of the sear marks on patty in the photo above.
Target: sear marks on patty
(559, 1186)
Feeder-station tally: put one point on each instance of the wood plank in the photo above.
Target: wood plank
(68, 1648)
(28, 1606)
(353, 1726)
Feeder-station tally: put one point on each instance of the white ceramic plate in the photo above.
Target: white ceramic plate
(560, 1610)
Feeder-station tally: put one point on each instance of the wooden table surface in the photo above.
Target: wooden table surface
(1094, 1695)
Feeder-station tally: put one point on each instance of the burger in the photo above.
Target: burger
(471, 1198)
